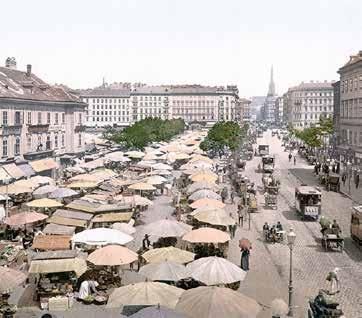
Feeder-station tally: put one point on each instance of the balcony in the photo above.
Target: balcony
(7, 130)
(79, 128)
(38, 128)
(38, 154)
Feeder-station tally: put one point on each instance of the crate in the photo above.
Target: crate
(59, 303)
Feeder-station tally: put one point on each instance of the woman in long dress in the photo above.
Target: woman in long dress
(245, 259)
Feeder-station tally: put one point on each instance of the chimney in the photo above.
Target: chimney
(10, 63)
(28, 70)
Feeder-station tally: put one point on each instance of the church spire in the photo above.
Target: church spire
(271, 91)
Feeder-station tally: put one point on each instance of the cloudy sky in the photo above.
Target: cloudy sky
(211, 42)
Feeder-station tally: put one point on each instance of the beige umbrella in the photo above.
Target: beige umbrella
(161, 166)
(207, 202)
(23, 218)
(124, 227)
(167, 228)
(170, 253)
(42, 180)
(200, 158)
(83, 184)
(206, 235)
(10, 278)
(133, 200)
(44, 203)
(142, 186)
(215, 270)
(215, 217)
(151, 156)
(206, 208)
(204, 176)
(200, 194)
(27, 183)
(216, 302)
(112, 255)
(201, 186)
(157, 312)
(85, 177)
(165, 271)
(15, 189)
(135, 154)
(145, 293)
(155, 180)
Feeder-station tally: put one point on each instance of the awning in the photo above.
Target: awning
(51, 242)
(83, 205)
(77, 265)
(44, 164)
(26, 169)
(73, 214)
(4, 175)
(66, 221)
(112, 217)
(13, 170)
(57, 229)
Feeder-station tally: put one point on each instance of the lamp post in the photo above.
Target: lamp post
(291, 239)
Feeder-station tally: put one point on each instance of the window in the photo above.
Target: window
(40, 145)
(63, 118)
(17, 146)
(5, 147)
(17, 118)
(48, 143)
(29, 118)
(5, 118)
(63, 139)
(79, 140)
(56, 141)
(39, 118)
(48, 118)
(56, 118)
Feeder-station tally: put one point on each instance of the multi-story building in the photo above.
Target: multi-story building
(37, 119)
(268, 110)
(308, 102)
(193, 103)
(279, 109)
(243, 111)
(256, 107)
(336, 112)
(351, 108)
(286, 103)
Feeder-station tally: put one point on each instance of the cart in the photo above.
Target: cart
(332, 240)
(271, 200)
(308, 201)
(268, 162)
(253, 205)
(271, 189)
(333, 183)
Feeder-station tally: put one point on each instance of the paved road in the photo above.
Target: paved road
(311, 262)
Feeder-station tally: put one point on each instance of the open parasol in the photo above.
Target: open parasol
(157, 312)
(15, 189)
(215, 270)
(124, 227)
(206, 235)
(200, 158)
(112, 255)
(44, 191)
(215, 217)
(44, 203)
(165, 271)
(145, 293)
(244, 243)
(24, 218)
(161, 166)
(207, 202)
(10, 279)
(201, 194)
(142, 186)
(207, 176)
(135, 154)
(201, 185)
(82, 184)
(101, 236)
(170, 253)
(216, 302)
(167, 228)
(155, 180)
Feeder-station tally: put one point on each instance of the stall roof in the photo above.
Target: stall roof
(63, 254)
(4, 175)
(77, 265)
(83, 205)
(13, 170)
(73, 214)
(44, 164)
(51, 242)
(27, 169)
(113, 217)
(66, 221)
(58, 229)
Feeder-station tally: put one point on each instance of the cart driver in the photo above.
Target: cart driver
(336, 226)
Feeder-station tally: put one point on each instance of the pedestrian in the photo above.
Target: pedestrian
(357, 181)
(232, 196)
(332, 278)
(146, 242)
(290, 157)
(240, 215)
(245, 253)
(224, 194)
(344, 178)
(295, 160)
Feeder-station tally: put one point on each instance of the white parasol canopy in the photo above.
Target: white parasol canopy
(165, 271)
(215, 270)
(172, 254)
(167, 228)
(201, 194)
(101, 236)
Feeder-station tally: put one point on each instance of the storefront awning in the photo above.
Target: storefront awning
(13, 170)
(44, 164)
(77, 265)
(66, 221)
(112, 217)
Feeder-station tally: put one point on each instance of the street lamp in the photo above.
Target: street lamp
(291, 239)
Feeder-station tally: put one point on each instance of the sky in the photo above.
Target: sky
(208, 42)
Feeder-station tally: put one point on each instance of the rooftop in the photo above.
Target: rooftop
(353, 59)
(16, 84)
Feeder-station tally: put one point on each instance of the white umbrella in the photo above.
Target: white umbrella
(124, 227)
(161, 166)
(155, 180)
(202, 185)
(157, 312)
(215, 270)
(101, 236)
(165, 271)
(167, 228)
(201, 194)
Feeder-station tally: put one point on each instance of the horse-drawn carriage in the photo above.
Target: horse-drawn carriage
(308, 201)
(268, 162)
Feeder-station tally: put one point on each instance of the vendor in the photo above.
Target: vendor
(87, 288)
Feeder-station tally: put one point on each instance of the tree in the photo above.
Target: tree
(223, 135)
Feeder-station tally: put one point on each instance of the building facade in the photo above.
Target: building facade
(268, 110)
(193, 103)
(336, 112)
(36, 118)
(307, 103)
(350, 122)
(279, 104)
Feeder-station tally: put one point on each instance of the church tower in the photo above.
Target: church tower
(271, 91)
